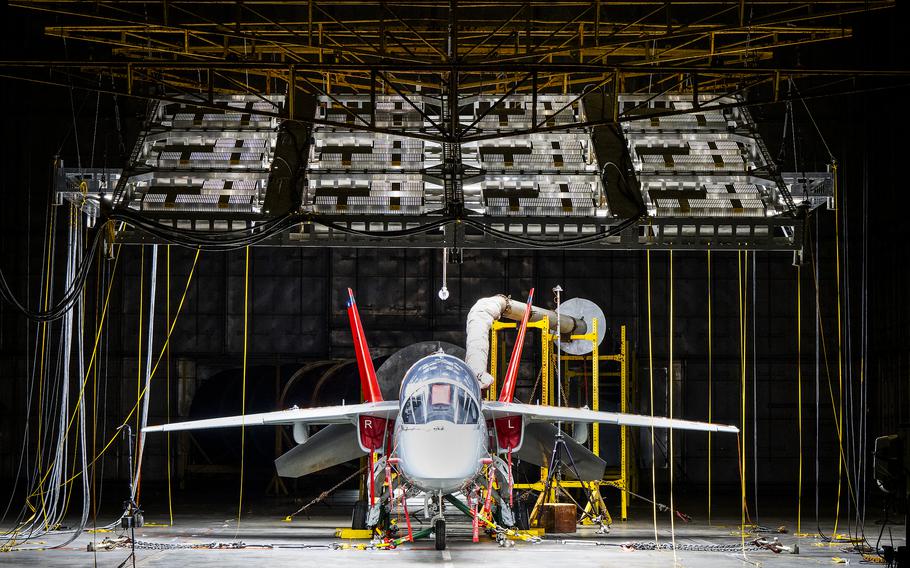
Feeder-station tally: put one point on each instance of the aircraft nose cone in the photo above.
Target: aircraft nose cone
(440, 455)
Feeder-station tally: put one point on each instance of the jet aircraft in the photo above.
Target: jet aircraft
(440, 437)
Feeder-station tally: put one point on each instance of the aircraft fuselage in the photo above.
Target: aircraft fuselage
(440, 437)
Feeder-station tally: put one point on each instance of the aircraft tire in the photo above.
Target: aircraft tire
(359, 516)
(520, 513)
(440, 530)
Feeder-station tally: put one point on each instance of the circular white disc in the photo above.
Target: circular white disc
(585, 310)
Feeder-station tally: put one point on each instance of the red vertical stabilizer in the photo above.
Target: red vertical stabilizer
(368, 382)
(508, 384)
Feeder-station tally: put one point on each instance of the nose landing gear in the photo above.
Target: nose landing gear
(439, 525)
(439, 528)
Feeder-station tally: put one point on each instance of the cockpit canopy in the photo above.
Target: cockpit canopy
(440, 401)
(440, 387)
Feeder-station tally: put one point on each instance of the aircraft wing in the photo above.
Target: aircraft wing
(346, 414)
(537, 413)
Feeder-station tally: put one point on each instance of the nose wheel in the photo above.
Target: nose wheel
(439, 527)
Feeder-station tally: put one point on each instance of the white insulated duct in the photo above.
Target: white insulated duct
(480, 321)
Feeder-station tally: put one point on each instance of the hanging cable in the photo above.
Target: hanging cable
(87, 374)
(56, 499)
(246, 314)
(77, 329)
(135, 407)
(742, 361)
(820, 350)
(95, 377)
(75, 126)
(71, 292)
(742, 278)
(839, 418)
(23, 466)
(81, 403)
(651, 397)
(139, 356)
(740, 437)
(167, 368)
(670, 430)
(841, 283)
(849, 432)
(799, 399)
(821, 136)
(78, 316)
(43, 363)
(864, 336)
(549, 242)
(834, 405)
(91, 160)
(240, 238)
(143, 422)
(710, 381)
(45, 410)
(755, 519)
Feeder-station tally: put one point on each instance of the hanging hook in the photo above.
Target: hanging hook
(444, 291)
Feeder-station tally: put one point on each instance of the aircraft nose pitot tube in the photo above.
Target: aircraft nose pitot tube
(487, 310)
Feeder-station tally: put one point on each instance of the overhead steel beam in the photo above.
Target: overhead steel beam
(724, 71)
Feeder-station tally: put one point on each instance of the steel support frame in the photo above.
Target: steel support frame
(655, 233)
(625, 478)
(574, 30)
(546, 398)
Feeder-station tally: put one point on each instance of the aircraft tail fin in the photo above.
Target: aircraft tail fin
(368, 381)
(508, 384)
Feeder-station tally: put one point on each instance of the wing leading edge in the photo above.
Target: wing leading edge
(535, 413)
(346, 414)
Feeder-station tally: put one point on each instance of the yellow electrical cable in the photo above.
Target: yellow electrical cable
(745, 359)
(651, 391)
(167, 364)
(95, 387)
(799, 394)
(42, 372)
(41, 368)
(838, 423)
(741, 437)
(139, 355)
(840, 365)
(74, 222)
(799, 397)
(742, 486)
(246, 314)
(828, 375)
(88, 372)
(154, 367)
(670, 430)
(40, 488)
(710, 385)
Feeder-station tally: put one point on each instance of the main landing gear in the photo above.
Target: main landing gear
(359, 516)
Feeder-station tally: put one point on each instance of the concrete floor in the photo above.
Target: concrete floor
(290, 542)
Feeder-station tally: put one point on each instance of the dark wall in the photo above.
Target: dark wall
(297, 314)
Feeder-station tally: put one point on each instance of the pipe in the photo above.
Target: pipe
(487, 310)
